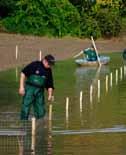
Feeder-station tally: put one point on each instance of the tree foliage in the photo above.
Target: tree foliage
(7, 7)
(89, 27)
(109, 22)
(81, 18)
(40, 17)
(122, 7)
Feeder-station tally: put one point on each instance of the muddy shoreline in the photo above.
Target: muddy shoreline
(29, 47)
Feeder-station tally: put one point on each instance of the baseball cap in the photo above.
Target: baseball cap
(50, 59)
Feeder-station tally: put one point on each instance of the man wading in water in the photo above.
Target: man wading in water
(34, 78)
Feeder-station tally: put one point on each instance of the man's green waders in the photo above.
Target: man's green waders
(34, 95)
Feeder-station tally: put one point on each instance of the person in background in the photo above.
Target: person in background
(90, 54)
(34, 78)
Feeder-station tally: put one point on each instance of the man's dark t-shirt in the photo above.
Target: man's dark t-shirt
(37, 68)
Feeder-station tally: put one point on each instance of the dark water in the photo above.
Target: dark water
(95, 126)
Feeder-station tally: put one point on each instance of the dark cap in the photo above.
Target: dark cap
(50, 59)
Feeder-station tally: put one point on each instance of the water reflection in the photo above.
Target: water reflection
(85, 76)
(44, 137)
(89, 80)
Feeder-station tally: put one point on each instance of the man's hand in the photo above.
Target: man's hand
(21, 91)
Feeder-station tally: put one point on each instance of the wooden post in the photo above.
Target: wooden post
(16, 52)
(50, 118)
(50, 112)
(116, 76)
(40, 55)
(33, 134)
(21, 145)
(106, 82)
(67, 110)
(93, 43)
(81, 97)
(91, 93)
(81, 107)
(110, 79)
(98, 90)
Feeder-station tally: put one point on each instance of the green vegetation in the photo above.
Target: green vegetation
(7, 8)
(81, 18)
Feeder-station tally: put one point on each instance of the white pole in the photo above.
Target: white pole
(40, 55)
(106, 81)
(16, 52)
(116, 76)
(33, 134)
(110, 79)
(81, 98)
(50, 112)
(121, 73)
(91, 93)
(96, 51)
(21, 145)
(98, 89)
(67, 110)
(50, 117)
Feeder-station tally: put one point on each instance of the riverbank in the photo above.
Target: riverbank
(29, 47)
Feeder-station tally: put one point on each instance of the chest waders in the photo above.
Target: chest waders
(34, 96)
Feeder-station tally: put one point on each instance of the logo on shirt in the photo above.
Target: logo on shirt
(37, 71)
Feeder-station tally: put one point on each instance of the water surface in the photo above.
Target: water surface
(91, 128)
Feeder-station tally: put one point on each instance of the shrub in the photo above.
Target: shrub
(7, 7)
(54, 17)
(89, 27)
(122, 8)
(109, 22)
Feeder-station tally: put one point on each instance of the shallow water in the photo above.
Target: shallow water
(95, 126)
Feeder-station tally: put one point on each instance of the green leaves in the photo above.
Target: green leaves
(109, 22)
(7, 7)
(90, 27)
(60, 18)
